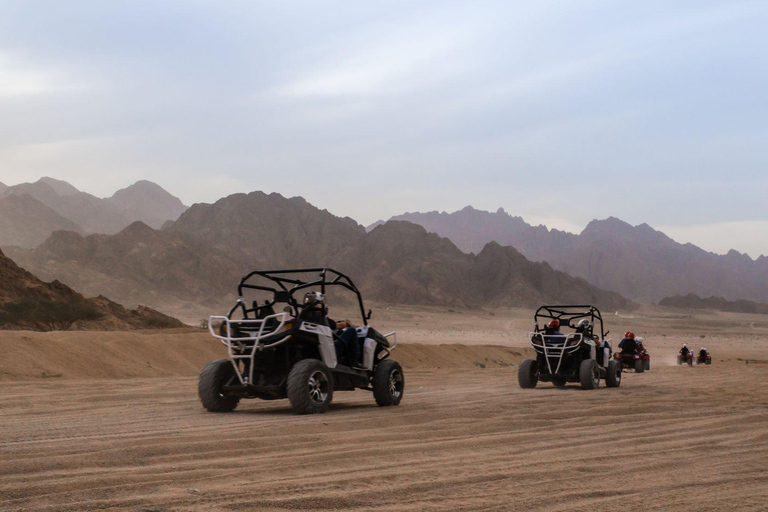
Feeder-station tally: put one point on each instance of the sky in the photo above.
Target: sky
(557, 111)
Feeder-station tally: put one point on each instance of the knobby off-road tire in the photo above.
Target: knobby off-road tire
(690, 362)
(639, 366)
(647, 365)
(613, 374)
(527, 374)
(679, 360)
(388, 383)
(708, 361)
(589, 374)
(310, 387)
(215, 375)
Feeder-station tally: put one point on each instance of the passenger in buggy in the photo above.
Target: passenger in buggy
(345, 333)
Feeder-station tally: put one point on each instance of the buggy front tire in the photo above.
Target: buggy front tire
(639, 366)
(214, 376)
(388, 383)
(589, 374)
(613, 374)
(310, 387)
(527, 374)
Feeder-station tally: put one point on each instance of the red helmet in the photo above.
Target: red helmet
(630, 335)
(554, 324)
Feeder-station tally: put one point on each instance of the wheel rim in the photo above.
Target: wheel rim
(396, 383)
(318, 387)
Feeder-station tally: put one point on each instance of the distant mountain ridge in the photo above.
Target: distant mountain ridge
(144, 201)
(26, 222)
(692, 301)
(636, 261)
(201, 257)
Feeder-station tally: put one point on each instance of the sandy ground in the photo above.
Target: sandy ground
(104, 421)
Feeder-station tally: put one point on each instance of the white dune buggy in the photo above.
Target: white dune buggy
(295, 354)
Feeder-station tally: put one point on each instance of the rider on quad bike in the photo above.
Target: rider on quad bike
(629, 355)
(685, 355)
(704, 357)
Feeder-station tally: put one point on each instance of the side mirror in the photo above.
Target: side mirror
(370, 313)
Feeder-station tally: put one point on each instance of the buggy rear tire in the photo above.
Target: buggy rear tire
(613, 375)
(589, 374)
(215, 375)
(647, 365)
(708, 361)
(679, 360)
(527, 374)
(639, 366)
(388, 383)
(310, 387)
(690, 362)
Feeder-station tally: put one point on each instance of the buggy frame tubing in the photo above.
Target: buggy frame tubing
(565, 348)
(573, 312)
(228, 340)
(277, 276)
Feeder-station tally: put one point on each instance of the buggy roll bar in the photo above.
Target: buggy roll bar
(571, 312)
(326, 277)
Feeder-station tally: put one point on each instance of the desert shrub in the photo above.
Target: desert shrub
(46, 314)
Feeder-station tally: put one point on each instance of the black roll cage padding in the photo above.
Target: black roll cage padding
(283, 294)
(568, 313)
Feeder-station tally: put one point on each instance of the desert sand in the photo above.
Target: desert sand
(111, 421)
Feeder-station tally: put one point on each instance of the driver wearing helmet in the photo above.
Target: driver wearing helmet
(584, 327)
(552, 330)
(684, 351)
(628, 345)
(703, 353)
(344, 332)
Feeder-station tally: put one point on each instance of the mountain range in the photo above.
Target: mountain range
(200, 258)
(636, 261)
(49, 205)
(692, 301)
(26, 302)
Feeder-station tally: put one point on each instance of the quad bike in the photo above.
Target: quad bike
(572, 357)
(631, 361)
(295, 354)
(688, 359)
(704, 360)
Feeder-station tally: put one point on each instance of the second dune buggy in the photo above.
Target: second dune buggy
(563, 357)
(295, 354)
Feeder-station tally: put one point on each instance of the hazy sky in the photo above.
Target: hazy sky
(558, 111)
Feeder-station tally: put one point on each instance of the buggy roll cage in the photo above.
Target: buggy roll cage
(566, 314)
(287, 285)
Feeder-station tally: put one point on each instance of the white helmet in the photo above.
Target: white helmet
(311, 297)
(639, 339)
(584, 322)
(702, 348)
(685, 345)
